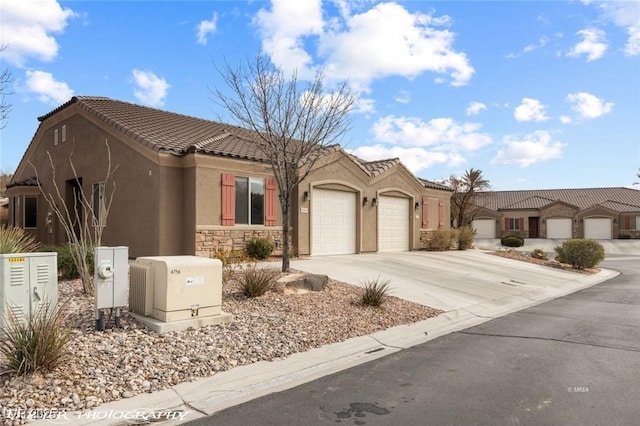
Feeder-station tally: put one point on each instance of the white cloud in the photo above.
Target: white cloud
(625, 14)
(207, 27)
(415, 159)
(542, 41)
(588, 105)
(284, 28)
(150, 89)
(474, 108)
(382, 41)
(442, 134)
(27, 27)
(593, 44)
(47, 88)
(530, 110)
(528, 150)
(403, 97)
(565, 119)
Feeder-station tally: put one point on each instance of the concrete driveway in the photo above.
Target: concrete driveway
(473, 280)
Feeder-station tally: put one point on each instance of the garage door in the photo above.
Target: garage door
(559, 228)
(393, 224)
(597, 228)
(333, 227)
(485, 228)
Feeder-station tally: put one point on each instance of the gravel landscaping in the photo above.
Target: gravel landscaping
(120, 363)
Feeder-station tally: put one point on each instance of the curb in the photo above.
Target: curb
(192, 400)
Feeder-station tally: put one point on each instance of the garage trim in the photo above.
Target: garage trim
(598, 228)
(393, 224)
(560, 228)
(333, 221)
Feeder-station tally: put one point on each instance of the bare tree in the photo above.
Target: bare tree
(84, 222)
(5, 178)
(463, 201)
(5, 81)
(294, 122)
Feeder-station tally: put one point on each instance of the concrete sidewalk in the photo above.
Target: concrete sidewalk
(472, 287)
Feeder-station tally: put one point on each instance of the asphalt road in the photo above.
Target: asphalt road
(571, 361)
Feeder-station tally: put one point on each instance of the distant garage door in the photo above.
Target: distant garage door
(559, 228)
(485, 228)
(333, 227)
(393, 224)
(597, 228)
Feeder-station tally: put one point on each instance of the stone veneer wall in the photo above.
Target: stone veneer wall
(209, 241)
(558, 211)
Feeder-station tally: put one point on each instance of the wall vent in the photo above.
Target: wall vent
(141, 289)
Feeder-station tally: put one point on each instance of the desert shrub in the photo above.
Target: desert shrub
(257, 281)
(232, 261)
(512, 241)
(374, 291)
(539, 254)
(16, 240)
(466, 235)
(37, 343)
(67, 268)
(441, 240)
(260, 248)
(580, 253)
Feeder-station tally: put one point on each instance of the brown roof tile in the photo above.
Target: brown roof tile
(168, 131)
(581, 197)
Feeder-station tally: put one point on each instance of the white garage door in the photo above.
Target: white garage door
(559, 228)
(485, 228)
(333, 228)
(597, 228)
(393, 224)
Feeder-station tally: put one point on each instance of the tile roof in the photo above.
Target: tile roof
(178, 134)
(25, 182)
(614, 198)
(435, 185)
(169, 132)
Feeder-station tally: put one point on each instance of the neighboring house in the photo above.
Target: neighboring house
(596, 213)
(185, 185)
(4, 211)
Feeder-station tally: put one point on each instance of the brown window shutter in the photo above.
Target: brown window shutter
(270, 202)
(425, 212)
(228, 199)
(506, 223)
(521, 227)
(441, 213)
(627, 222)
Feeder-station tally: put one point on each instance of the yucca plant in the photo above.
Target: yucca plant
(36, 343)
(257, 281)
(15, 240)
(375, 291)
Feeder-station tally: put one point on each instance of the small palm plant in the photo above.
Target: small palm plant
(15, 240)
(375, 291)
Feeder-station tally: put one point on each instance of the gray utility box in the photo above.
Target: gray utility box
(111, 277)
(27, 281)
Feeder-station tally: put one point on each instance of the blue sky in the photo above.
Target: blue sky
(536, 94)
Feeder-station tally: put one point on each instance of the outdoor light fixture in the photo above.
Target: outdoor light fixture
(374, 202)
(365, 201)
(305, 197)
(417, 205)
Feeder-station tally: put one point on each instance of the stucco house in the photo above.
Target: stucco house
(186, 185)
(596, 213)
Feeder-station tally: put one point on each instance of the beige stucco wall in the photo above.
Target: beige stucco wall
(134, 219)
(339, 172)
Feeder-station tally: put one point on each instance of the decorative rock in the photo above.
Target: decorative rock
(301, 283)
(127, 394)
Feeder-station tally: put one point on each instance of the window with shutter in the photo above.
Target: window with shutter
(425, 212)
